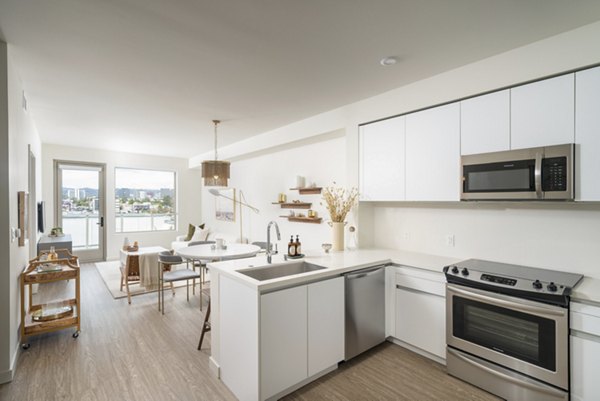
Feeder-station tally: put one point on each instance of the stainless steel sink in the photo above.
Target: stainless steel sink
(280, 270)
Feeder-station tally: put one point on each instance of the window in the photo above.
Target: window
(144, 200)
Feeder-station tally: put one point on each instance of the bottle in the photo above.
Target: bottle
(52, 255)
(298, 246)
(291, 247)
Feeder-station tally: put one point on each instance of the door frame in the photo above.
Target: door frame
(102, 200)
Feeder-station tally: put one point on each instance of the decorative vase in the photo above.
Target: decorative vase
(338, 236)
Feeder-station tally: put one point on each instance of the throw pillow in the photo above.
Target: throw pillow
(200, 235)
(191, 231)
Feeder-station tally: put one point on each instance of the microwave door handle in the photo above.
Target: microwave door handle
(538, 175)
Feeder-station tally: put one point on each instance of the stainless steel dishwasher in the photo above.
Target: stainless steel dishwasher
(365, 309)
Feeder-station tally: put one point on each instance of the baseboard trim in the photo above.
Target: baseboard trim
(417, 350)
(9, 375)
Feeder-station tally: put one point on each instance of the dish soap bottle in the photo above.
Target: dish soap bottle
(291, 247)
(298, 247)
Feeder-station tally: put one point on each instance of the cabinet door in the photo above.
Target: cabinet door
(485, 123)
(433, 154)
(325, 324)
(283, 340)
(421, 320)
(543, 113)
(382, 160)
(585, 364)
(587, 135)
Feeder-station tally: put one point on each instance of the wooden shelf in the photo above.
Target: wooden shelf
(308, 190)
(297, 219)
(37, 327)
(294, 205)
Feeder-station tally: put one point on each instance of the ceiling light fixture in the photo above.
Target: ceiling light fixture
(215, 172)
(387, 61)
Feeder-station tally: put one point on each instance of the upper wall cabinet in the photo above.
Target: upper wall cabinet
(587, 135)
(382, 152)
(543, 113)
(485, 123)
(433, 154)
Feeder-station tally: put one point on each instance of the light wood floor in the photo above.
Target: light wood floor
(132, 352)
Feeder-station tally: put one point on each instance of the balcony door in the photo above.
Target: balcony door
(80, 207)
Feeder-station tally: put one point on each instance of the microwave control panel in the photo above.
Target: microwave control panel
(554, 174)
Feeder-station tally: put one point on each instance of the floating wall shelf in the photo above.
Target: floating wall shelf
(297, 219)
(308, 190)
(294, 205)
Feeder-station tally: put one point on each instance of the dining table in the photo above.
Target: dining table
(212, 253)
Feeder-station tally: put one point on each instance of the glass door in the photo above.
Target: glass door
(80, 206)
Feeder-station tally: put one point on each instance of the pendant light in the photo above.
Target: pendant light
(215, 172)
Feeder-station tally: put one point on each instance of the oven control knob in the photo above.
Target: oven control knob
(454, 269)
(465, 272)
(537, 284)
(552, 287)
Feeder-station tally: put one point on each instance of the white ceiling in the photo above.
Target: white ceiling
(148, 76)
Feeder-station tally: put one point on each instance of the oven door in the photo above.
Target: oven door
(528, 337)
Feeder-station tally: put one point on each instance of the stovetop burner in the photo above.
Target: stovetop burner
(526, 282)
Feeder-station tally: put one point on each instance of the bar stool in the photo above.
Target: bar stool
(167, 259)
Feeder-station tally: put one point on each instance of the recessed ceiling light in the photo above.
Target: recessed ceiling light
(390, 60)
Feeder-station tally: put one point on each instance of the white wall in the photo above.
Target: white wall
(188, 190)
(21, 134)
(561, 237)
(262, 177)
(566, 235)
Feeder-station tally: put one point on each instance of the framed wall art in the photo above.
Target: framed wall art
(225, 205)
(23, 216)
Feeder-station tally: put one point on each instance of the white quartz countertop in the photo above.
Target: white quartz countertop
(588, 290)
(335, 263)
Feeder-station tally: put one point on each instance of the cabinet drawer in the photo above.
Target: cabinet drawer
(585, 318)
(421, 284)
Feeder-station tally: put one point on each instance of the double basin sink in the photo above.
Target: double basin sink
(280, 270)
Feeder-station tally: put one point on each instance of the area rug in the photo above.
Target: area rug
(111, 275)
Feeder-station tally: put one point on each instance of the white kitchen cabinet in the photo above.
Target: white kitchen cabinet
(587, 135)
(301, 333)
(543, 113)
(420, 310)
(283, 340)
(485, 123)
(585, 352)
(433, 154)
(325, 324)
(381, 162)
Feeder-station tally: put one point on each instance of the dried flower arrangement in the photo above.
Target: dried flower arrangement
(339, 201)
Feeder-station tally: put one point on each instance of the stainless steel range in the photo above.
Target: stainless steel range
(507, 329)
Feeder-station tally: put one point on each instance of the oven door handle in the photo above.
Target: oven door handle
(538, 175)
(545, 390)
(506, 303)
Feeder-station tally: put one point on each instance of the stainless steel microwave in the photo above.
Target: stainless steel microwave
(545, 173)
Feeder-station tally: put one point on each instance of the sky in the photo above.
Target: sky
(124, 178)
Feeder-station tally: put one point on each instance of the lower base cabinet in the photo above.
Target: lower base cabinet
(585, 352)
(301, 334)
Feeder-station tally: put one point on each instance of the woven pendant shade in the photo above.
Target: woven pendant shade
(215, 172)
